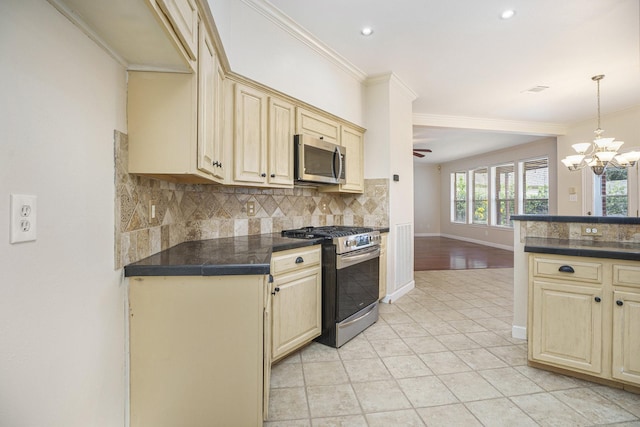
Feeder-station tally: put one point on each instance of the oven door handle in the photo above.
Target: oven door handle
(350, 322)
(344, 261)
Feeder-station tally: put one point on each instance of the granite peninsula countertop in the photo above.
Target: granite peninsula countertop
(243, 255)
(584, 248)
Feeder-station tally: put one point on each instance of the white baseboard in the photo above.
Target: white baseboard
(427, 234)
(479, 242)
(519, 332)
(390, 298)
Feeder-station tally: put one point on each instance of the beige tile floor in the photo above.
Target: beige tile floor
(442, 355)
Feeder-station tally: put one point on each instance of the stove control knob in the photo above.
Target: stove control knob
(350, 243)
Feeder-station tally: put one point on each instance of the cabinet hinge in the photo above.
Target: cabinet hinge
(270, 279)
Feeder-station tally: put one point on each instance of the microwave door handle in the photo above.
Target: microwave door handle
(339, 154)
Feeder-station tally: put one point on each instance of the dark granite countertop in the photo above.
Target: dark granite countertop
(579, 219)
(244, 255)
(584, 248)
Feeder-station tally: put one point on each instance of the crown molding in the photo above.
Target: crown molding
(495, 125)
(391, 77)
(274, 15)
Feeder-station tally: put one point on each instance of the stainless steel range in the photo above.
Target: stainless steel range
(350, 279)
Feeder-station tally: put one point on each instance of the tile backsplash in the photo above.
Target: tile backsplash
(187, 212)
(573, 230)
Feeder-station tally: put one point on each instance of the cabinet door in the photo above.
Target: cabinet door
(281, 128)
(209, 153)
(352, 143)
(183, 15)
(196, 350)
(314, 124)
(626, 337)
(296, 310)
(567, 325)
(250, 139)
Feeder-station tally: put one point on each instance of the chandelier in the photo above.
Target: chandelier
(603, 152)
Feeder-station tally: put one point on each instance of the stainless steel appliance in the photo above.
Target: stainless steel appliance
(318, 161)
(350, 279)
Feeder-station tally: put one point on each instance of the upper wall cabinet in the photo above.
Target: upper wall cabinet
(314, 124)
(183, 15)
(263, 138)
(174, 123)
(210, 108)
(250, 135)
(159, 35)
(352, 141)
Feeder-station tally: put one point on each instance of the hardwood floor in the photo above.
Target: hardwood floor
(440, 253)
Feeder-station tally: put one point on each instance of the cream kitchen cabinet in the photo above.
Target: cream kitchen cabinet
(263, 138)
(352, 143)
(210, 109)
(314, 124)
(183, 16)
(626, 323)
(280, 142)
(196, 350)
(584, 316)
(174, 123)
(296, 300)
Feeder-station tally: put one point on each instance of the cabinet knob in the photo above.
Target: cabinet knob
(273, 175)
(566, 269)
(619, 302)
(263, 174)
(299, 260)
(597, 299)
(275, 291)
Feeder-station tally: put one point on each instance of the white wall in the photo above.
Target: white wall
(426, 199)
(62, 317)
(623, 125)
(258, 48)
(388, 143)
(494, 236)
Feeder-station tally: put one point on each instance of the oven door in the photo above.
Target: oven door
(357, 280)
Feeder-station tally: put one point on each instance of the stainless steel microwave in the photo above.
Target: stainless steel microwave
(318, 161)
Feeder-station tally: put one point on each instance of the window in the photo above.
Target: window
(535, 186)
(480, 196)
(613, 198)
(459, 197)
(504, 194)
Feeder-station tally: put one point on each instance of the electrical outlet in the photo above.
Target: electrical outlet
(251, 208)
(591, 230)
(23, 218)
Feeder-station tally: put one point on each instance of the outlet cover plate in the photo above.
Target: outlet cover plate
(23, 218)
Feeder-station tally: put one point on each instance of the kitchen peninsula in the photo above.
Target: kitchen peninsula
(577, 295)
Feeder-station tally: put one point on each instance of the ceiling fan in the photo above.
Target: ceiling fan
(418, 152)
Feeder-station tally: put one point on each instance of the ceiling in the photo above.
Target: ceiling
(471, 70)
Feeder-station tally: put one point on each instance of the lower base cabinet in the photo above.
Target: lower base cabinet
(296, 300)
(196, 350)
(584, 316)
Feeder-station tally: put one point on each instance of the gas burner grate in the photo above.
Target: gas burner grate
(325, 231)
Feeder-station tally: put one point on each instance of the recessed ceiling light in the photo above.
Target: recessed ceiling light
(508, 14)
(366, 31)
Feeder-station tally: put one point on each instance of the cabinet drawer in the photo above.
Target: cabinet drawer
(294, 259)
(626, 275)
(567, 269)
